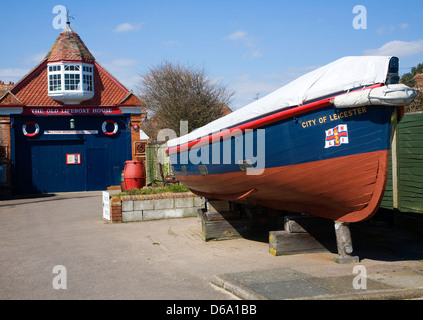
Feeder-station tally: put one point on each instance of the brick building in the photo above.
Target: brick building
(68, 125)
(418, 78)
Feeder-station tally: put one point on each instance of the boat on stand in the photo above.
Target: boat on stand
(319, 145)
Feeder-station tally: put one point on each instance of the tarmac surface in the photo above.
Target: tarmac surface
(168, 260)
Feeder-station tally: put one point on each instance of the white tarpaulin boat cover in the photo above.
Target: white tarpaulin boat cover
(338, 76)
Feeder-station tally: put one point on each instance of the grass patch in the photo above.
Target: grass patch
(171, 188)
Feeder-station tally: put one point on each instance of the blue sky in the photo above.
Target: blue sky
(254, 47)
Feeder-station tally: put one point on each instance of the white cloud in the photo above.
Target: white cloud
(126, 27)
(37, 57)
(124, 69)
(397, 48)
(242, 38)
(257, 54)
(129, 80)
(390, 29)
(12, 73)
(247, 88)
(237, 35)
(404, 26)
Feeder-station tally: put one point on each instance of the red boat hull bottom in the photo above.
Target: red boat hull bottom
(347, 189)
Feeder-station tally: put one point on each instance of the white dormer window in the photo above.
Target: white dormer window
(55, 78)
(87, 77)
(70, 83)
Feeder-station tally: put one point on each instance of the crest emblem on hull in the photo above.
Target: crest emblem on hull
(336, 136)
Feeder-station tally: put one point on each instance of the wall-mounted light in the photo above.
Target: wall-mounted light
(72, 123)
(136, 127)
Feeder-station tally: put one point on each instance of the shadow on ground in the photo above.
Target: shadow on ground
(380, 238)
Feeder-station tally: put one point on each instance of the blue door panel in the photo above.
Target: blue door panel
(39, 163)
(96, 170)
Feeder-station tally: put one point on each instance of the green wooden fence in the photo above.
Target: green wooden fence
(407, 193)
(156, 154)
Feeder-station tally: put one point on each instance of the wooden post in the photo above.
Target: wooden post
(344, 243)
(394, 156)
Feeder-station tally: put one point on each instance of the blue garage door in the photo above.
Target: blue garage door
(63, 159)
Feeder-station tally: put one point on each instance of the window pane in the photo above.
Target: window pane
(55, 82)
(87, 82)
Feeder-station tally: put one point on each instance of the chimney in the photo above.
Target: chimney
(419, 80)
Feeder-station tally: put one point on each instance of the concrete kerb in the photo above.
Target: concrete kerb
(236, 288)
(243, 292)
(251, 286)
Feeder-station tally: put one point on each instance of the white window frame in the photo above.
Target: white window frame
(58, 72)
(54, 77)
(87, 78)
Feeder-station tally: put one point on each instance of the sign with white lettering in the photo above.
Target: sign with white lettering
(71, 132)
(106, 205)
(66, 111)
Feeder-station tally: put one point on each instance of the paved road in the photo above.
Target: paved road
(165, 259)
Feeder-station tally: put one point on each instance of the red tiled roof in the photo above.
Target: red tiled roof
(69, 46)
(9, 99)
(131, 100)
(32, 89)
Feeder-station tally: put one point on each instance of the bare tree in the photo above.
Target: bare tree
(417, 104)
(174, 93)
(409, 80)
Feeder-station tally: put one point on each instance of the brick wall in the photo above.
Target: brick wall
(5, 86)
(138, 145)
(155, 206)
(419, 80)
(115, 210)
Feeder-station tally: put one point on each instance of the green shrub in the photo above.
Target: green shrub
(172, 188)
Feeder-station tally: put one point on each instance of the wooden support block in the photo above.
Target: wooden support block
(217, 216)
(285, 243)
(229, 225)
(224, 220)
(217, 206)
(215, 226)
(216, 221)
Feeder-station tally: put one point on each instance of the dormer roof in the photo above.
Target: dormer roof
(69, 47)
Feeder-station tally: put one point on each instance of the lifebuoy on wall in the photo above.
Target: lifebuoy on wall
(36, 131)
(110, 133)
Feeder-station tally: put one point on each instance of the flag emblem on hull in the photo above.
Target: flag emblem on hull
(336, 136)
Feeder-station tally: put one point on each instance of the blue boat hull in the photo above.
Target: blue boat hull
(327, 162)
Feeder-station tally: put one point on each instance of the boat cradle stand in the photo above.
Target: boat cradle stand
(344, 243)
(307, 234)
(225, 220)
